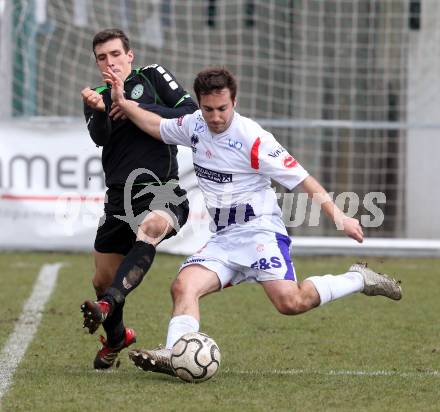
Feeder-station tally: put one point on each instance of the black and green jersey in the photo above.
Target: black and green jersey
(125, 146)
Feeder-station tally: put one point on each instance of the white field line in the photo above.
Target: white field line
(379, 373)
(27, 325)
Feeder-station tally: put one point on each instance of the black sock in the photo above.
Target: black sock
(133, 268)
(114, 325)
(128, 276)
(130, 273)
(115, 328)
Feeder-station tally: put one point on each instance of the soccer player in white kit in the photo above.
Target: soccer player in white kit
(234, 161)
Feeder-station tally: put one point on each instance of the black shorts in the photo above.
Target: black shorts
(118, 234)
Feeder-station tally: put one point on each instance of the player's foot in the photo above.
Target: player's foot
(377, 283)
(106, 356)
(94, 313)
(154, 360)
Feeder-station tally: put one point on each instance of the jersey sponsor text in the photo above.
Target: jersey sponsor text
(212, 175)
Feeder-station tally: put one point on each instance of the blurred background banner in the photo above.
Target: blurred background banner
(53, 189)
(52, 186)
(350, 87)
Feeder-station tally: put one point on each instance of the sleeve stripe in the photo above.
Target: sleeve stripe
(182, 99)
(254, 154)
(173, 85)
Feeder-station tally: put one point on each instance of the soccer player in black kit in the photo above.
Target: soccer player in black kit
(144, 203)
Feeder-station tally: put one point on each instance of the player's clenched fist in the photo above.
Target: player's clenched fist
(93, 99)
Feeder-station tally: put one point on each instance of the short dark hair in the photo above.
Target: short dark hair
(214, 79)
(110, 34)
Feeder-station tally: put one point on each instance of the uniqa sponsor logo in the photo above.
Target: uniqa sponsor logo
(235, 144)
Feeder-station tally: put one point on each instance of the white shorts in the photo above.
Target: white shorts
(250, 255)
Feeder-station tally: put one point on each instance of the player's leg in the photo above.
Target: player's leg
(108, 310)
(128, 275)
(169, 212)
(106, 265)
(293, 298)
(113, 240)
(131, 271)
(359, 278)
(155, 227)
(192, 283)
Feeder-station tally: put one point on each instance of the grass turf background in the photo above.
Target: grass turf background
(269, 361)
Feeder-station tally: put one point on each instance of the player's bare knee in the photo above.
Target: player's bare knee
(150, 228)
(183, 289)
(179, 288)
(153, 229)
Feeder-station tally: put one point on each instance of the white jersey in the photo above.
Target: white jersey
(234, 169)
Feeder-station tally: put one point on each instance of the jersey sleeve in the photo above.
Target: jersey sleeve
(270, 158)
(176, 131)
(98, 122)
(169, 92)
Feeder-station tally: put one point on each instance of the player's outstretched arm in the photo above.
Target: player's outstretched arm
(350, 226)
(147, 121)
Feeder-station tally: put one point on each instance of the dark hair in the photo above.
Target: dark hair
(110, 34)
(214, 79)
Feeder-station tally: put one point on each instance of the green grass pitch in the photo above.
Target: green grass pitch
(359, 353)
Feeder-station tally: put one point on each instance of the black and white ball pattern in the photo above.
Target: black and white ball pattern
(195, 357)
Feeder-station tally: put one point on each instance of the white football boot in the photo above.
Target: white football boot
(153, 360)
(377, 283)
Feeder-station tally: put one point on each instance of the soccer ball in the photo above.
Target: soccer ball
(195, 357)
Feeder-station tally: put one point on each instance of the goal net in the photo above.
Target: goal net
(343, 84)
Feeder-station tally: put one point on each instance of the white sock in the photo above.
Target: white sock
(178, 326)
(332, 287)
